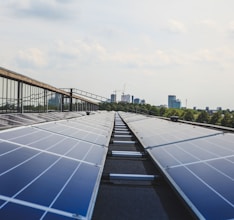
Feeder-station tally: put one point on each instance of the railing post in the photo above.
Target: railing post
(20, 97)
(70, 108)
(62, 103)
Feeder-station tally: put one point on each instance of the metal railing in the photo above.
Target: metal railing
(19, 94)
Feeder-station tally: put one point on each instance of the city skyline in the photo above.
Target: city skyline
(152, 48)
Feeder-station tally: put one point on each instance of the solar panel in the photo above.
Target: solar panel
(21, 119)
(49, 173)
(198, 162)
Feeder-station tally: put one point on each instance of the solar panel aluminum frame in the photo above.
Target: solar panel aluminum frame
(177, 189)
(185, 199)
(96, 188)
(95, 192)
(101, 166)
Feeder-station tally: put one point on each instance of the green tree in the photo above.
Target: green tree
(227, 120)
(232, 120)
(188, 115)
(203, 117)
(154, 110)
(172, 112)
(215, 118)
(162, 111)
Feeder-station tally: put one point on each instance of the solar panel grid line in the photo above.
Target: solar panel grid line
(37, 139)
(37, 206)
(59, 193)
(68, 180)
(209, 151)
(89, 131)
(178, 189)
(23, 135)
(181, 141)
(34, 117)
(89, 126)
(176, 137)
(197, 162)
(87, 152)
(139, 119)
(14, 121)
(218, 163)
(51, 153)
(92, 123)
(10, 151)
(211, 188)
(219, 171)
(60, 133)
(68, 136)
(98, 122)
(30, 158)
(201, 161)
(49, 117)
(27, 120)
(195, 146)
(90, 156)
(223, 146)
(98, 127)
(96, 187)
(32, 181)
(85, 137)
(101, 128)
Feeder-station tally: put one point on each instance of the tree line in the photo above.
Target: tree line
(221, 117)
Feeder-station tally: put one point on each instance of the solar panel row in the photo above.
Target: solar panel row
(18, 119)
(52, 170)
(198, 162)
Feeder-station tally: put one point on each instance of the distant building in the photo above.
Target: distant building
(113, 98)
(125, 98)
(173, 102)
(137, 101)
(55, 100)
(142, 101)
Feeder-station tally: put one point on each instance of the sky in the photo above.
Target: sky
(149, 49)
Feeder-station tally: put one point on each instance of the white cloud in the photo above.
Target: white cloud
(205, 55)
(81, 51)
(32, 57)
(208, 23)
(53, 9)
(221, 58)
(175, 26)
(231, 28)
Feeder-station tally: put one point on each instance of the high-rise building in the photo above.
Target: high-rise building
(173, 102)
(125, 98)
(113, 98)
(137, 101)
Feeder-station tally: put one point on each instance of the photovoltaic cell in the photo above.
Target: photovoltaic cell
(197, 161)
(47, 172)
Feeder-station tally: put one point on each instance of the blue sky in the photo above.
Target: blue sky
(152, 48)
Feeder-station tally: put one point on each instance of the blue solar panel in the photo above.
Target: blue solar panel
(78, 132)
(47, 173)
(15, 211)
(198, 162)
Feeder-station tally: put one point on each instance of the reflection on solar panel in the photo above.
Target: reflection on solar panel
(198, 162)
(53, 170)
(18, 119)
